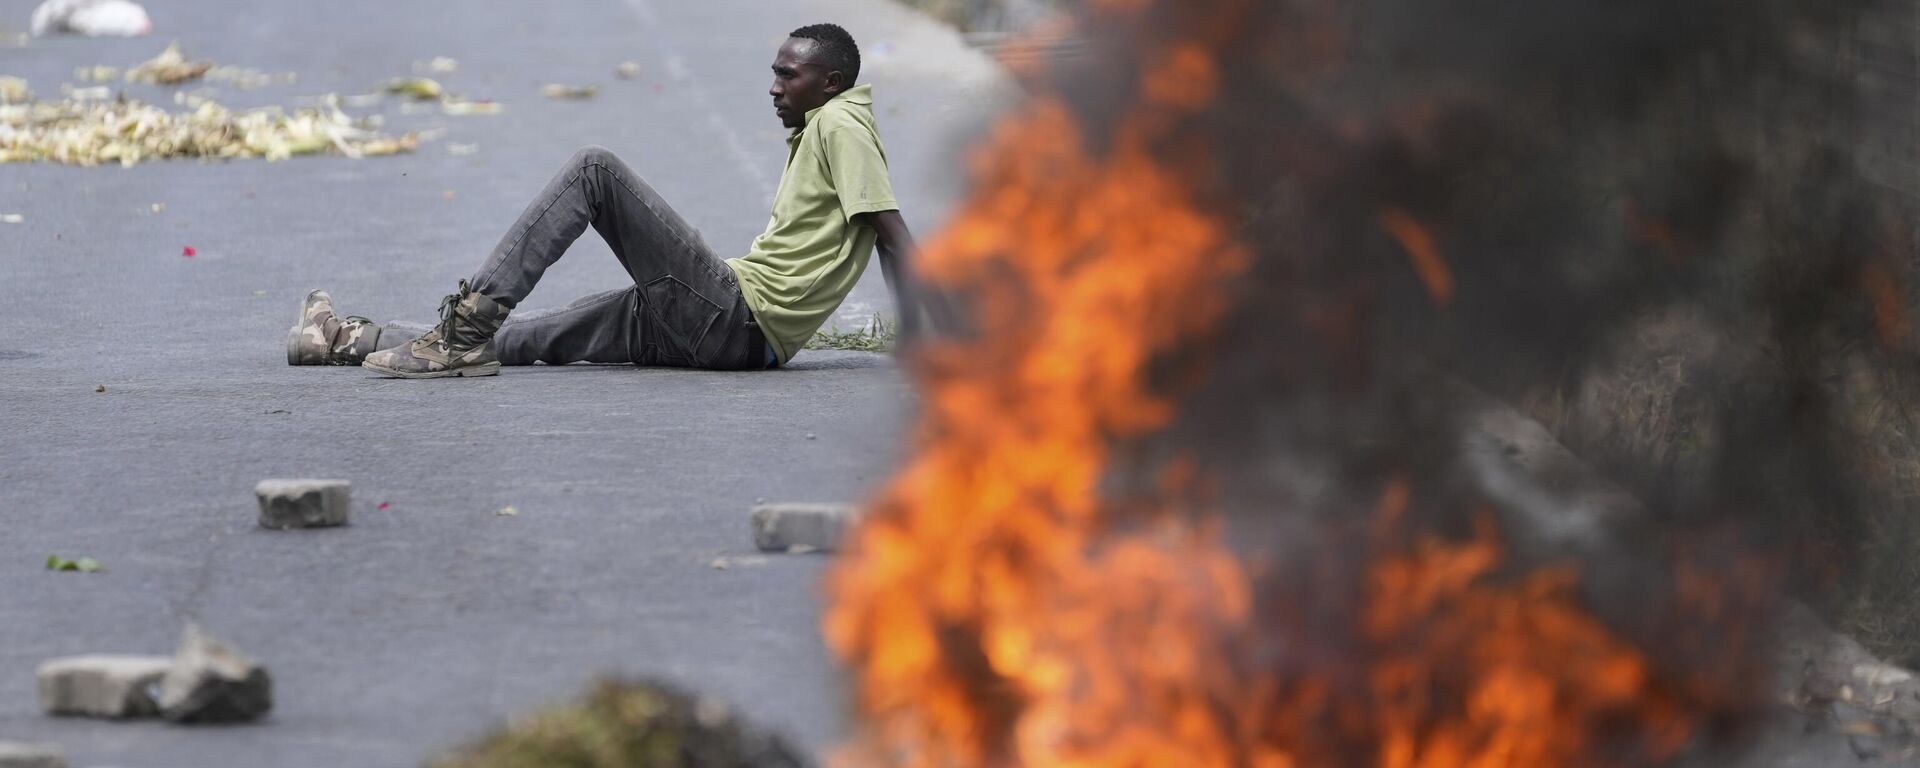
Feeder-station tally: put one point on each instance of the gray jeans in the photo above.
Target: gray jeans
(684, 308)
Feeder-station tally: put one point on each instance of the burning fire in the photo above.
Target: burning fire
(1019, 597)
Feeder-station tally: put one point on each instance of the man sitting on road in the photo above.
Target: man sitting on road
(686, 307)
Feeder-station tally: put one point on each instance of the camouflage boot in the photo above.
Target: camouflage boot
(461, 345)
(321, 337)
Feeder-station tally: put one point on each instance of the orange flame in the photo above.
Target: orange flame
(1008, 601)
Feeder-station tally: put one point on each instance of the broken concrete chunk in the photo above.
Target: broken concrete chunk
(210, 682)
(801, 527)
(17, 755)
(286, 504)
(101, 685)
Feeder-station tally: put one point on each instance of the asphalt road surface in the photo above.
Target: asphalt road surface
(431, 618)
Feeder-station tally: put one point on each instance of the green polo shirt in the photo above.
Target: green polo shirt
(812, 254)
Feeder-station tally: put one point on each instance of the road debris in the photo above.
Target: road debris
(248, 79)
(98, 73)
(420, 88)
(92, 18)
(627, 70)
(171, 67)
(82, 565)
(560, 92)
(12, 218)
(96, 93)
(99, 387)
(458, 107)
(790, 527)
(440, 65)
(462, 150)
(729, 563)
(188, 252)
(14, 754)
(211, 682)
(101, 685)
(88, 130)
(290, 504)
(630, 723)
(159, 208)
(14, 90)
(507, 512)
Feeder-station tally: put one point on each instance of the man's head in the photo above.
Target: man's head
(817, 63)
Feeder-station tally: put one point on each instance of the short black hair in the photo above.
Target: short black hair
(836, 49)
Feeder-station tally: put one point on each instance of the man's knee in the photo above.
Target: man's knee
(593, 154)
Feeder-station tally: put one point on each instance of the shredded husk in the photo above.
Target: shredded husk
(89, 132)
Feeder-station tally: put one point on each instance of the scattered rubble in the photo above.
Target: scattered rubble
(289, 504)
(210, 682)
(631, 723)
(101, 685)
(171, 67)
(797, 528)
(1840, 690)
(560, 92)
(15, 754)
(87, 130)
(92, 18)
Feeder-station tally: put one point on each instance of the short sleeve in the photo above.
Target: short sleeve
(858, 167)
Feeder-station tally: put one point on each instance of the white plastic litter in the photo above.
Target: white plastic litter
(93, 18)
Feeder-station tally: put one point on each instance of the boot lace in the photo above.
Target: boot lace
(449, 309)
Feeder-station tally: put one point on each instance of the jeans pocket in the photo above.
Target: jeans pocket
(686, 320)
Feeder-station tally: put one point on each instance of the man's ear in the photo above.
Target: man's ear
(836, 82)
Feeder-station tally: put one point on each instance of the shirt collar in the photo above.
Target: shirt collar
(859, 94)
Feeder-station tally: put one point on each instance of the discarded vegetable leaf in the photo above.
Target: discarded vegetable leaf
(460, 107)
(82, 565)
(422, 88)
(169, 68)
(14, 90)
(570, 92)
(81, 131)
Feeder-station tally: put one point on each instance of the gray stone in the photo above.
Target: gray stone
(286, 504)
(14, 754)
(101, 685)
(210, 682)
(801, 527)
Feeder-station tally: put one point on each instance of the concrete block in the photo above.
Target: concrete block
(286, 504)
(801, 527)
(211, 682)
(101, 685)
(14, 754)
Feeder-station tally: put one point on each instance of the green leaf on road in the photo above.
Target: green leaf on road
(82, 565)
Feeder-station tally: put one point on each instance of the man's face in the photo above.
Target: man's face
(801, 85)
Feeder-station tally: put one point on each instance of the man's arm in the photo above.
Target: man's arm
(897, 254)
